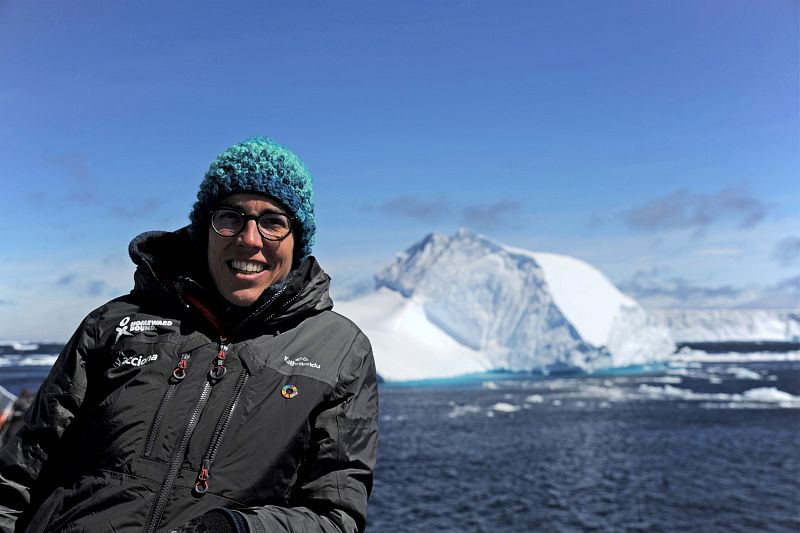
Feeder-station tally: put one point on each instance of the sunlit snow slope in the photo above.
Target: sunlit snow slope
(452, 305)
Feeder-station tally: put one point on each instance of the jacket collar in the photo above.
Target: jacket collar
(169, 265)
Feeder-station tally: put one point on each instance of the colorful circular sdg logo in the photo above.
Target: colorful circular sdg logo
(289, 391)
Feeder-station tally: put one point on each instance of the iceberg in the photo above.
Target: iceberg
(465, 304)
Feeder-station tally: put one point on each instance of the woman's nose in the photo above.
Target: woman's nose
(250, 234)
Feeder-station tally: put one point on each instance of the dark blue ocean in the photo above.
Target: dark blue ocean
(702, 446)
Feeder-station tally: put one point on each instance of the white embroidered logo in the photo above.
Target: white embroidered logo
(139, 325)
(300, 361)
(123, 328)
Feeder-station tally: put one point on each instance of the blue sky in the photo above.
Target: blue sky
(656, 140)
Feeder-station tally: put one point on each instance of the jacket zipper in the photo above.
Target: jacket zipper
(160, 503)
(166, 487)
(178, 373)
(201, 485)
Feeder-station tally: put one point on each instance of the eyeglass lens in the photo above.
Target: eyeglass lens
(228, 223)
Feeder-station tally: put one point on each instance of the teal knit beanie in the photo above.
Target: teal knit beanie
(258, 165)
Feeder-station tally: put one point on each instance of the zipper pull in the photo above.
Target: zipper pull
(201, 485)
(218, 369)
(180, 371)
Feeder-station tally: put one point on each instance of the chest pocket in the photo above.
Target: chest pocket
(124, 400)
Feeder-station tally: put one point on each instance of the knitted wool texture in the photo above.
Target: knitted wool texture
(258, 165)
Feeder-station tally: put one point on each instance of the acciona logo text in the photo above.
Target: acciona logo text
(135, 360)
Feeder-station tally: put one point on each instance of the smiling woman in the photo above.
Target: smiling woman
(244, 263)
(222, 394)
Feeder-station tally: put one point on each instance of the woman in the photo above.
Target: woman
(221, 394)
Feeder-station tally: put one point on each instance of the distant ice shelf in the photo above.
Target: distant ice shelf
(731, 325)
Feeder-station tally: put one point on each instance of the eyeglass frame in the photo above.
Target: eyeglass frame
(247, 218)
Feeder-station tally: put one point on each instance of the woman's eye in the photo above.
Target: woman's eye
(273, 221)
(228, 217)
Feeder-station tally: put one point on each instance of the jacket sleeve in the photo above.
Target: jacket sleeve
(333, 486)
(23, 456)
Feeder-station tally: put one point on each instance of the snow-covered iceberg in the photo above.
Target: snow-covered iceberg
(453, 305)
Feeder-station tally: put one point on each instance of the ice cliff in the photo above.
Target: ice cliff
(457, 304)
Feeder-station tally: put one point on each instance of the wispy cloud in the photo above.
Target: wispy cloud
(75, 167)
(96, 287)
(85, 190)
(657, 288)
(66, 279)
(82, 285)
(720, 251)
(135, 209)
(790, 284)
(652, 287)
(686, 209)
(787, 251)
(417, 208)
(488, 215)
(7, 302)
(783, 295)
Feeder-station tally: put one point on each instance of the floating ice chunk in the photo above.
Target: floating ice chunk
(30, 360)
(461, 410)
(695, 374)
(697, 358)
(534, 398)
(20, 346)
(773, 395)
(735, 405)
(490, 385)
(668, 392)
(38, 360)
(742, 373)
(673, 380)
(765, 395)
(659, 392)
(503, 407)
(605, 392)
(679, 372)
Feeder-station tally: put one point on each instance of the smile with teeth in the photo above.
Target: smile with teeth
(247, 267)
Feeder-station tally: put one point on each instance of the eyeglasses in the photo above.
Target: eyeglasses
(230, 222)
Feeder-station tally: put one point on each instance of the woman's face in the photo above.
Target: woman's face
(244, 265)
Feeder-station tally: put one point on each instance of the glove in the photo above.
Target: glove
(195, 525)
(216, 521)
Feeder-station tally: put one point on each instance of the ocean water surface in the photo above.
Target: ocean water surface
(711, 447)
(700, 446)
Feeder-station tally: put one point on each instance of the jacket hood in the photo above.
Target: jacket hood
(168, 264)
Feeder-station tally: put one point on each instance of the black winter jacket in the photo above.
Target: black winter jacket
(159, 410)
